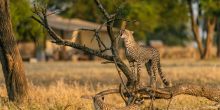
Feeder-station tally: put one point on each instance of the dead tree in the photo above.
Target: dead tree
(10, 58)
(110, 19)
(126, 91)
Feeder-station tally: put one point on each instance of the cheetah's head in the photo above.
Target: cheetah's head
(126, 33)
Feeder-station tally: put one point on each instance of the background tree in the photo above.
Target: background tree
(25, 29)
(159, 17)
(10, 58)
(172, 25)
(204, 18)
(215, 11)
(155, 19)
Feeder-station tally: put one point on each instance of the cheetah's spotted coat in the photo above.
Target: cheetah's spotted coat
(139, 54)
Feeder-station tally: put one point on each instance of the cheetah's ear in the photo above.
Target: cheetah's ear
(132, 32)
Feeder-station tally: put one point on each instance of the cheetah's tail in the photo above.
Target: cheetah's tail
(162, 75)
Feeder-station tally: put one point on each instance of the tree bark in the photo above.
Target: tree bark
(10, 58)
(210, 33)
(195, 29)
(209, 92)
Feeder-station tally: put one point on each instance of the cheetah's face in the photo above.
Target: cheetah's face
(125, 33)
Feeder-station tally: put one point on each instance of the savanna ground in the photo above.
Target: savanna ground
(60, 85)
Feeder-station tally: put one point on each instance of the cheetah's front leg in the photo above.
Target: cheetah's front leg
(153, 75)
(131, 63)
(138, 73)
(148, 66)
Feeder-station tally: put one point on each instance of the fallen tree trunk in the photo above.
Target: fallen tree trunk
(208, 92)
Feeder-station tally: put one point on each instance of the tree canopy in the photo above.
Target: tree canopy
(152, 16)
(155, 19)
(210, 7)
(25, 28)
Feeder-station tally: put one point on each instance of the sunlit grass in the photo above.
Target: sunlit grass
(60, 85)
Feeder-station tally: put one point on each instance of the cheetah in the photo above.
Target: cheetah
(140, 54)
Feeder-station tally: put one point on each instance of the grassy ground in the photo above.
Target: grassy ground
(59, 85)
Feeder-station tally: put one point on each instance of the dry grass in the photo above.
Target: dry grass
(59, 86)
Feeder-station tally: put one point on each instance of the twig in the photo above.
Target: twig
(87, 29)
(54, 12)
(100, 42)
(109, 91)
(122, 95)
(105, 50)
(169, 103)
(96, 35)
(85, 49)
(119, 73)
(105, 13)
(107, 62)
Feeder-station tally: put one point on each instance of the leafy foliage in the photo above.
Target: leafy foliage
(155, 19)
(211, 7)
(25, 28)
(169, 35)
(152, 16)
(159, 16)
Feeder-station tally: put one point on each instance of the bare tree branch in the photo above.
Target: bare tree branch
(43, 21)
(85, 49)
(99, 41)
(105, 13)
(60, 41)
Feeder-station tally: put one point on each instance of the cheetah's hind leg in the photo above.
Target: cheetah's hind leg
(148, 66)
